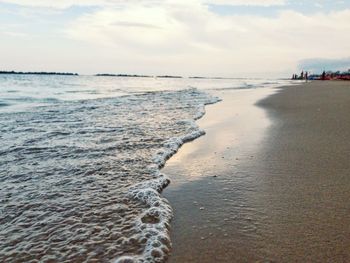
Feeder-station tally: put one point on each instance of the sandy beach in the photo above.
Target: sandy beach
(270, 180)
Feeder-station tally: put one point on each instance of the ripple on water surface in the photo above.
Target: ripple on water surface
(80, 180)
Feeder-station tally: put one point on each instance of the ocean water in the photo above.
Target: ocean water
(80, 160)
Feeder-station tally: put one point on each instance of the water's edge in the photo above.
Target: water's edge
(160, 213)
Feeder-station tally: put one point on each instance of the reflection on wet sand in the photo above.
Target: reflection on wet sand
(212, 190)
(275, 189)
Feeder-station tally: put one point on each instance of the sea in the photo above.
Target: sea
(81, 159)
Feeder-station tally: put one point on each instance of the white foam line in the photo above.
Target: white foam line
(154, 223)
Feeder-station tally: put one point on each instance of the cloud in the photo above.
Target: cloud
(62, 4)
(317, 65)
(248, 2)
(185, 37)
(14, 34)
(135, 24)
(191, 38)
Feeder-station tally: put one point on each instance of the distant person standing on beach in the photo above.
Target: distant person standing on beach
(302, 75)
(306, 75)
(323, 75)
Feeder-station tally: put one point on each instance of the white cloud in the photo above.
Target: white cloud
(248, 2)
(201, 40)
(184, 37)
(62, 4)
(320, 64)
(51, 3)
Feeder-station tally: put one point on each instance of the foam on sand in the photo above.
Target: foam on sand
(154, 223)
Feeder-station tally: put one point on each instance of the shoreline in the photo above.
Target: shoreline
(200, 168)
(256, 187)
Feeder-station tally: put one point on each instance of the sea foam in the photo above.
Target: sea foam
(87, 183)
(154, 223)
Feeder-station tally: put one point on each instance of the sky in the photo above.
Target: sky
(226, 38)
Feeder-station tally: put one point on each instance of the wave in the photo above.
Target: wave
(88, 173)
(154, 222)
(4, 104)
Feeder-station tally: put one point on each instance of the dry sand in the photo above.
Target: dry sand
(268, 182)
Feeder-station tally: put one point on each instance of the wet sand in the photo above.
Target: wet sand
(268, 182)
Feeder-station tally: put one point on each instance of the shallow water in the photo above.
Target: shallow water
(22, 92)
(80, 159)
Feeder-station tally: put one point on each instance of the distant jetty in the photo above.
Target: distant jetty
(136, 76)
(39, 73)
(170, 77)
(195, 77)
(122, 75)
